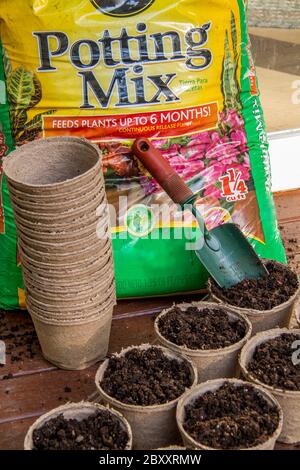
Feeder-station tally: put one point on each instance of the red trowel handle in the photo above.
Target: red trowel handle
(160, 169)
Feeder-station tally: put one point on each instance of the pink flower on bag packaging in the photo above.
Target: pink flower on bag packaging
(208, 154)
(225, 153)
(239, 137)
(246, 161)
(184, 168)
(193, 154)
(243, 170)
(204, 138)
(212, 173)
(232, 119)
(212, 191)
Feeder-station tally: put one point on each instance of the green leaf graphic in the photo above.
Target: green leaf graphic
(37, 96)
(228, 79)
(234, 38)
(18, 119)
(183, 141)
(230, 84)
(34, 127)
(7, 64)
(21, 88)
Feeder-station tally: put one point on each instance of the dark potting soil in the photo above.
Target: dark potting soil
(231, 418)
(291, 246)
(146, 377)
(273, 364)
(100, 431)
(208, 328)
(264, 293)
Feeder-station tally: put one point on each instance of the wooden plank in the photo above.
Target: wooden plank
(33, 395)
(12, 434)
(290, 232)
(27, 395)
(131, 331)
(22, 346)
(275, 54)
(281, 446)
(288, 206)
(16, 329)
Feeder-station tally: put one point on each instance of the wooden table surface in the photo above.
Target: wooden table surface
(31, 386)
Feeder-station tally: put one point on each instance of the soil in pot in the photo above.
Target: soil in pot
(100, 431)
(146, 377)
(204, 329)
(272, 363)
(231, 418)
(264, 293)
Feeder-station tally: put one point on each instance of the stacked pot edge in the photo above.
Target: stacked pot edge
(61, 214)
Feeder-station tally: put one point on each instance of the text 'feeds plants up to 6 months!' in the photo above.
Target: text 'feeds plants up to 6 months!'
(180, 73)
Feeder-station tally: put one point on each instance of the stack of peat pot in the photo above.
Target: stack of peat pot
(57, 191)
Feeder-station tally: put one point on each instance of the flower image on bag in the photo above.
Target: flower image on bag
(180, 73)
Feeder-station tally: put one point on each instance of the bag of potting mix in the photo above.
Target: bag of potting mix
(178, 72)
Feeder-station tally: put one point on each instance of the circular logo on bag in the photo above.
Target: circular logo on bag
(139, 220)
(122, 7)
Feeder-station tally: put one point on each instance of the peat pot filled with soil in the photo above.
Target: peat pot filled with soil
(272, 360)
(145, 383)
(268, 302)
(211, 336)
(224, 414)
(80, 426)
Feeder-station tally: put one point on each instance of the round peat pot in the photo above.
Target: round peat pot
(88, 220)
(60, 217)
(74, 346)
(288, 399)
(84, 299)
(64, 248)
(152, 426)
(261, 319)
(90, 300)
(61, 306)
(79, 412)
(212, 386)
(53, 205)
(73, 284)
(53, 166)
(66, 234)
(86, 250)
(210, 363)
(67, 318)
(68, 272)
(60, 197)
(74, 315)
(69, 293)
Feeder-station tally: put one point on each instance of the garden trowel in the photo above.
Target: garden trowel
(224, 251)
